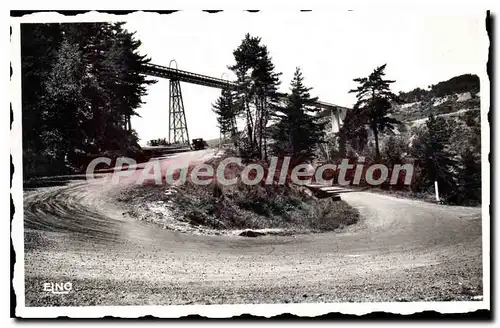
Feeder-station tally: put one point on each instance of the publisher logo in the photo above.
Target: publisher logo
(58, 288)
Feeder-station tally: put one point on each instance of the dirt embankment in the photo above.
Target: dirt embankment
(197, 210)
(215, 208)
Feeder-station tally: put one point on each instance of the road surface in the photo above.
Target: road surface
(401, 250)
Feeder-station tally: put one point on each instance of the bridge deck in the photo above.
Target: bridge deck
(194, 78)
(185, 76)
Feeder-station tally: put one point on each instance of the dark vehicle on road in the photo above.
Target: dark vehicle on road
(199, 144)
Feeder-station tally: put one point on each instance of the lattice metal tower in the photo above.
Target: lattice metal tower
(178, 131)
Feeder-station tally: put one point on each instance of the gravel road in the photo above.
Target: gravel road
(401, 250)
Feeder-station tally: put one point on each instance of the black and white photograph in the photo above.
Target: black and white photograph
(257, 162)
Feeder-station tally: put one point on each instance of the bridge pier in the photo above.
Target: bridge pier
(336, 120)
(178, 131)
(126, 124)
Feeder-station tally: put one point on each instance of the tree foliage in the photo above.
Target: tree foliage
(257, 92)
(395, 151)
(298, 130)
(469, 178)
(373, 106)
(434, 157)
(457, 84)
(80, 87)
(226, 110)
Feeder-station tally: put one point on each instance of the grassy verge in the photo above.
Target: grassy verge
(241, 206)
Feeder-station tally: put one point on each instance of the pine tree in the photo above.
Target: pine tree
(374, 103)
(257, 91)
(112, 83)
(39, 47)
(80, 87)
(67, 104)
(298, 130)
(226, 111)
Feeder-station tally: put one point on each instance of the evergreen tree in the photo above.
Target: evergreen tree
(374, 102)
(469, 171)
(39, 47)
(226, 111)
(434, 158)
(80, 87)
(353, 131)
(469, 178)
(63, 134)
(298, 130)
(257, 91)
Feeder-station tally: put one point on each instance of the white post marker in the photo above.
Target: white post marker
(437, 191)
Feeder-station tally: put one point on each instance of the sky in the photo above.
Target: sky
(332, 48)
